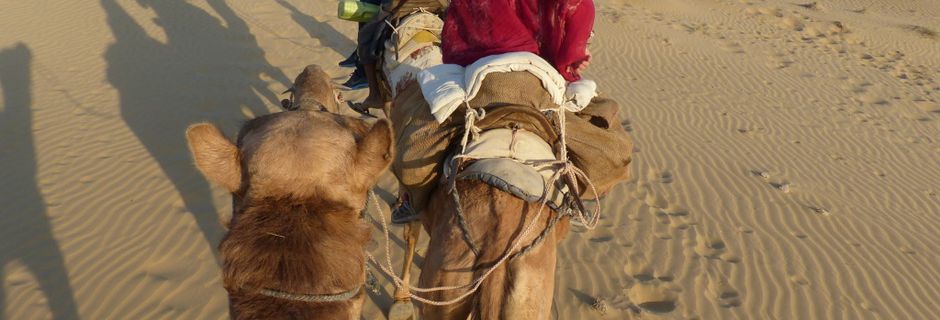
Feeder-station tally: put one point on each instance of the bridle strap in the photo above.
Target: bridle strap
(339, 297)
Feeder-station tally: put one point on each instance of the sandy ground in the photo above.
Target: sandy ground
(788, 162)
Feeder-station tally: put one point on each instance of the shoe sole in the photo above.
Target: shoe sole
(346, 88)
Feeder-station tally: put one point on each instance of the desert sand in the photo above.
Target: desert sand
(787, 162)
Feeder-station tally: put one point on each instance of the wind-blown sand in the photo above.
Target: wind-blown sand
(787, 165)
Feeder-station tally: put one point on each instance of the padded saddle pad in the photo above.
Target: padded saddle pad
(500, 160)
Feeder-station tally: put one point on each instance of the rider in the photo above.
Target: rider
(357, 80)
(558, 31)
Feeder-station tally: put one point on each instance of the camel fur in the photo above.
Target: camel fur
(519, 289)
(299, 181)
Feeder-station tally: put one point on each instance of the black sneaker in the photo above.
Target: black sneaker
(350, 61)
(357, 80)
(403, 213)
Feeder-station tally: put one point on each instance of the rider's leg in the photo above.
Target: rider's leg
(376, 99)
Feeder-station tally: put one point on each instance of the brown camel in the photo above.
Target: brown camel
(299, 180)
(522, 287)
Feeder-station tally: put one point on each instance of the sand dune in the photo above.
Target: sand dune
(787, 165)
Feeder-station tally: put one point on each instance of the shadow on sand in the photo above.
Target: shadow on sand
(207, 70)
(25, 232)
(323, 32)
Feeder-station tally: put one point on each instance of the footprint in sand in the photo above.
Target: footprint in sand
(711, 247)
(857, 86)
(778, 61)
(653, 297)
(656, 201)
(907, 250)
(781, 186)
(730, 257)
(799, 280)
(770, 11)
(791, 23)
(664, 176)
(627, 125)
(644, 273)
(763, 174)
(873, 98)
(602, 239)
(820, 211)
(612, 15)
(663, 236)
(836, 157)
(921, 31)
(167, 269)
(723, 293)
(732, 47)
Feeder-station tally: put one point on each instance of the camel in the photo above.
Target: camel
(519, 289)
(299, 181)
(494, 220)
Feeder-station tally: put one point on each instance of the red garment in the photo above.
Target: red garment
(556, 30)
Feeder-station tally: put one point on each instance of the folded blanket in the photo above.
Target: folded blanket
(414, 46)
(447, 86)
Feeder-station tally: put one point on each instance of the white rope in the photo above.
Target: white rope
(421, 9)
(470, 127)
(390, 25)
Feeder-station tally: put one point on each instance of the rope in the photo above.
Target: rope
(538, 240)
(461, 221)
(395, 29)
(470, 128)
(311, 297)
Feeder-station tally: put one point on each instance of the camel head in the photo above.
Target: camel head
(312, 90)
(295, 156)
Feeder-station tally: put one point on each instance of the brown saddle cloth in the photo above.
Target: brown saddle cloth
(597, 143)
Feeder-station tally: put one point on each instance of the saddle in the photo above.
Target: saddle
(515, 99)
(515, 161)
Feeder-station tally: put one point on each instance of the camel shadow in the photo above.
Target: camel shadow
(323, 32)
(25, 232)
(206, 69)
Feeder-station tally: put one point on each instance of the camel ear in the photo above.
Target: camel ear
(374, 153)
(216, 156)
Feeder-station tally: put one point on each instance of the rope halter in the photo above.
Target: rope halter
(339, 297)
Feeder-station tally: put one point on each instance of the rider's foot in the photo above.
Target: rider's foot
(403, 212)
(350, 61)
(357, 80)
(373, 101)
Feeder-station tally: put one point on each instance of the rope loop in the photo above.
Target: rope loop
(470, 128)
